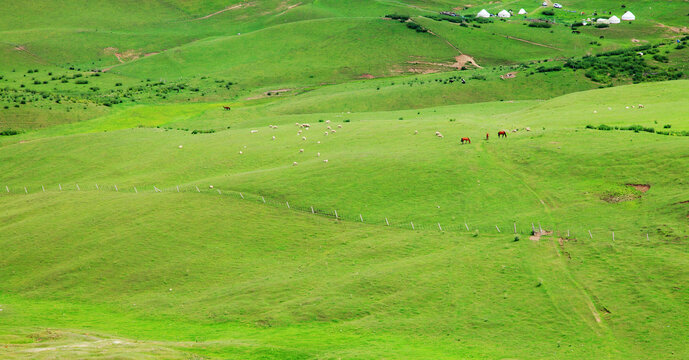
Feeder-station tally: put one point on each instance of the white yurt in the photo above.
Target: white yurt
(483, 14)
(614, 20)
(628, 16)
(522, 12)
(602, 21)
(504, 14)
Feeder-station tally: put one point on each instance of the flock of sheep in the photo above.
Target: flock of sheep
(640, 106)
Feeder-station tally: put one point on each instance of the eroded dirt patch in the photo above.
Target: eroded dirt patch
(641, 187)
(367, 76)
(509, 75)
(537, 235)
(460, 63)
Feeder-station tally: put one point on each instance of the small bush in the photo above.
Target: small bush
(667, 126)
(661, 58)
(602, 26)
(543, 25)
(548, 12)
(81, 82)
(9, 132)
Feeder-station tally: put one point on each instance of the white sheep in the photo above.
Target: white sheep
(325, 161)
(318, 142)
(273, 137)
(299, 132)
(416, 132)
(327, 121)
(181, 146)
(641, 106)
(326, 133)
(333, 131)
(318, 154)
(211, 186)
(294, 163)
(527, 129)
(240, 152)
(301, 150)
(339, 126)
(328, 127)
(303, 137)
(297, 124)
(305, 125)
(254, 131)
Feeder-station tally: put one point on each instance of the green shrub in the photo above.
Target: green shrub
(543, 25)
(661, 58)
(81, 82)
(9, 132)
(548, 12)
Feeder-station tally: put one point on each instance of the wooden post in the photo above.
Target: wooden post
(647, 239)
(8, 188)
(197, 189)
(412, 225)
(533, 228)
(496, 227)
(240, 194)
(441, 229)
(386, 222)
(466, 226)
(515, 228)
(590, 235)
(568, 233)
(26, 191)
(287, 204)
(613, 236)
(42, 187)
(78, 187)
(136, 191)
(336, 217)
(361, 218)
(540, 228)
(312, 210)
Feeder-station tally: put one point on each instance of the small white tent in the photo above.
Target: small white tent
(483, 14)
(522, 12)
(628, 16)
(504, 14)
(602, 21)
(614, 20)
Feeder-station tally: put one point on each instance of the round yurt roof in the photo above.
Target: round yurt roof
(628, 16)
(614, 20)
(522, 11)
(504, 14)
(483, 13)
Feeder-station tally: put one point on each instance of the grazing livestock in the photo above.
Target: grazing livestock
(240, 152)
(305, 125)
(487, 136)
(211, 186)
(318, 154)
(438, 134)
(273, 137)
(294, 163)
(297, 124)
(326, 133)
(227, 108)
(254, 131)
(327, 121)
(502, 133)
(641, 106)
(303, 137)
(301, 150)
(332, 131)
(528, 129)
(416, 132)
(466, 140)
(325, 161)
(181, 146)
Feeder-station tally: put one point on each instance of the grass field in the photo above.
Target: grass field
(141, 220)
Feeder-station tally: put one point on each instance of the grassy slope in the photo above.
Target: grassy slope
(303, 286)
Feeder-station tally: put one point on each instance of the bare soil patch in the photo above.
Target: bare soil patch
(460, 62)
(674, 29)
(537, 235)
(641, 187)
(509, 75)
(233, 7)
(367, 76)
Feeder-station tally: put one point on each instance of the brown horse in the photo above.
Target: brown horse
(466, 140)
(502, 133)
(227, 108)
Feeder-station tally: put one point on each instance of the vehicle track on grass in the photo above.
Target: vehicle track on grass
(588, 301)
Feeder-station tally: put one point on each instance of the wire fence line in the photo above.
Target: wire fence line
(534, 228)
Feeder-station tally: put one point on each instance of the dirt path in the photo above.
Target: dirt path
(233, 7)
(18, 47)
(531, 42)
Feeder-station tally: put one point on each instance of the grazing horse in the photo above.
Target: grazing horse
(466, 140)
(502, 133)
(227, 108)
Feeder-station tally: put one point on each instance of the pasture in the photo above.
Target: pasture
(141, 219)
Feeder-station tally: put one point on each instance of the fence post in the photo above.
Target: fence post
(42, 187)
(386, 222)
(361, 218)
(78, 189)
(26, 191)
(116, 189)
(287, 204)
(8, 188)
(441, 229)
(590, 235)
(515, 228)
(466, 226)
(540, 228)
(647, 239)
(497, 228)
(60, 185)
(197, 189)
(412, 225)
(240, 194)
(312, 210)
(613, 236)
(568, 233)
(336, 217)
(136, 191)
(533, 228)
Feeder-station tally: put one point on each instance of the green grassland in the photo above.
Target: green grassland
(141, 220)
